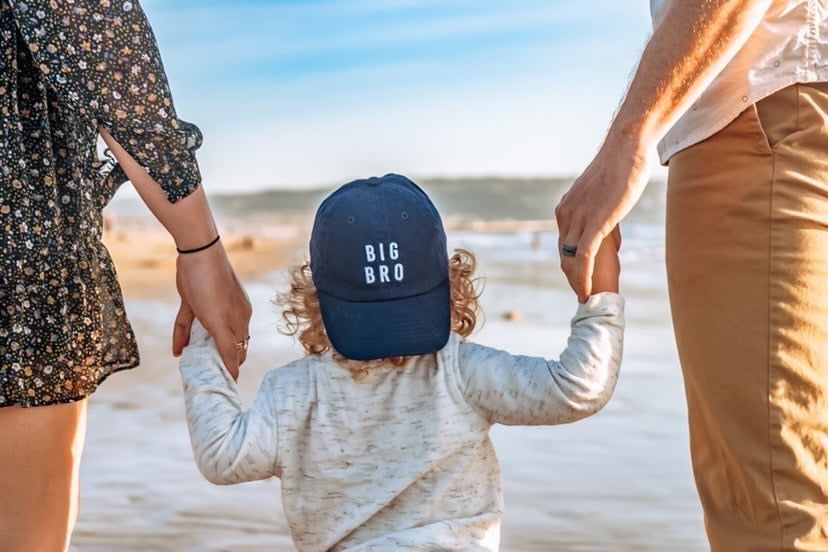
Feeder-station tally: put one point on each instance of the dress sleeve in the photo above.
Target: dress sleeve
(229, 445)
(521, 390)
(102, 61)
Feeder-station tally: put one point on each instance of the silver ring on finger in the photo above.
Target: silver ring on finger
(569, 250)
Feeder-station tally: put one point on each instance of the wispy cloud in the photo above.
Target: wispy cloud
(288, 39)
(474, 83)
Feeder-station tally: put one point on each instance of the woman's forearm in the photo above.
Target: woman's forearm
(692, 43)
(189, 220)
(206, 282)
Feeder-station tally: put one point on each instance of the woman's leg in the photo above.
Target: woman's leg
(39, 465)
(747, 259)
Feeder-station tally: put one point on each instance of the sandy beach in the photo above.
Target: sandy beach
(620, 480)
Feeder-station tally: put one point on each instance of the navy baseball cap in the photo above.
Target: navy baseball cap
(380, 266)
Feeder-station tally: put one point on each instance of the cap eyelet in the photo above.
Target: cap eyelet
(404, 215)
(351, 219)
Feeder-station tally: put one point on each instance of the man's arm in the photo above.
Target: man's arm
(691, 45)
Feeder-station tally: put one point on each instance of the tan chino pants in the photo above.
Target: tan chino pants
(747, 261)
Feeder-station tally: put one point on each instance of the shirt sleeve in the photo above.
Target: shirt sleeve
(229, 445)
(521, 390)
(102, 61)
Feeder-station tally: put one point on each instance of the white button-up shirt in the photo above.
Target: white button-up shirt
(789, 45)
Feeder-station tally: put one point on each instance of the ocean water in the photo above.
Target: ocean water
(619, 480)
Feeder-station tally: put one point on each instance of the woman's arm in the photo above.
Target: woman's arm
(690, 46)
(206, 282)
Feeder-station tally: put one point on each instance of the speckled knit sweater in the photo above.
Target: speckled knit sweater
(399, 459)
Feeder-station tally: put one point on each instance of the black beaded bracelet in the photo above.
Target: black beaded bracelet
(197, 249)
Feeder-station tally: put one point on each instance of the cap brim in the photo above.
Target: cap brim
(381, 329)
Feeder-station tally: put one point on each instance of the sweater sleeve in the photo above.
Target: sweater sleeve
(521, 390)
(229, 445)
(102, 61)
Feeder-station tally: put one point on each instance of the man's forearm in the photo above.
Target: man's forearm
(690, 46)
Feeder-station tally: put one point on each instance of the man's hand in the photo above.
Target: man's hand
(592, 208)
(607, 267)
(692, 43)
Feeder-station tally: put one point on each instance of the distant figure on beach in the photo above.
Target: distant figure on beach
(69, 73)
(380, 433)
(735, 94)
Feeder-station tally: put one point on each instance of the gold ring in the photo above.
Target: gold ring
(242, 345)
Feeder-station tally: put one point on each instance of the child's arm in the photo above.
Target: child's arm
(511, 389)
(607, 268)
(229, 445)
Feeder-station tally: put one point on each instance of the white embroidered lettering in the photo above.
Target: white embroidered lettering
(383, 273)
(370, 255)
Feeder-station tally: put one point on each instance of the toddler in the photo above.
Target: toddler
(380, 433)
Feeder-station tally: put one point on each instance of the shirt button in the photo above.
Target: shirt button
(776, 63)
(695, 107)
(744, 98)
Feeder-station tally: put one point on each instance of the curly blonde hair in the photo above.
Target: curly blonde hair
(303, 319)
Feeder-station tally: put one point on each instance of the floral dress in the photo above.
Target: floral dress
(67, 69)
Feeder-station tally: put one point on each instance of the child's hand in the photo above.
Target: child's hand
(607, 267)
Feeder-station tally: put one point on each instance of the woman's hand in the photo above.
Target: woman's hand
(211, 293)
(206, 282)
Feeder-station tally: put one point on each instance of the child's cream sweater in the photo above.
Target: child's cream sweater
(401, 458)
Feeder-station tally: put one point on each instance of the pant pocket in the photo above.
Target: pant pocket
(778, 114)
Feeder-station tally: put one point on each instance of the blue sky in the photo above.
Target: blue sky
(293, 94)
